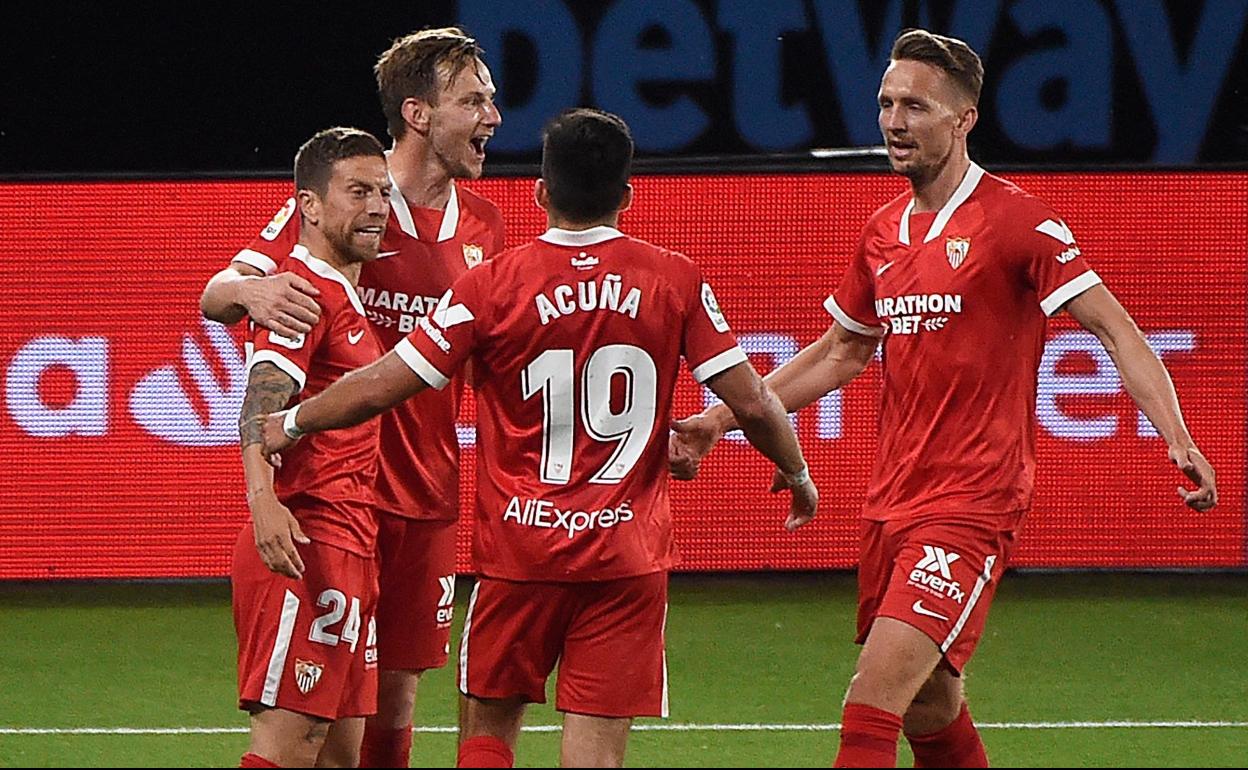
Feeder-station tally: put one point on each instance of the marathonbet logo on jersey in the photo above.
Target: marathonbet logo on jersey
(913, 313)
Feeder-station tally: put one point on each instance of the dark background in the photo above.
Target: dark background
(177, 88)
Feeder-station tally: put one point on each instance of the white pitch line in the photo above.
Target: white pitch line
(651, 728)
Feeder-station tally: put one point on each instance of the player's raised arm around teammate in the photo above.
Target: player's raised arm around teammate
(284, 303)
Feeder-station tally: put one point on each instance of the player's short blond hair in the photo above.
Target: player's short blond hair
(955, 57)
(409, 69)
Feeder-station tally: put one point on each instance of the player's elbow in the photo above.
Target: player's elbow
(754, 407)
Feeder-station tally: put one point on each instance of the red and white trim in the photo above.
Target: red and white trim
(843, 319)
(420, 365)
(1068, 291)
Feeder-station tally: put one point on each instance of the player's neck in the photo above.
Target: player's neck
(421, 178)
(932, 194)
(318, 246)
(560, 222)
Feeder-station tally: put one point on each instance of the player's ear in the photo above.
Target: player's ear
(967, 120)
(626, 201)
(309, 206)
(415, 114)
(541, 194)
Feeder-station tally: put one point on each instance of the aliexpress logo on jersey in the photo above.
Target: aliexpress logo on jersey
(544, 514)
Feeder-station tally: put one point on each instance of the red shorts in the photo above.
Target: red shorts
(416, 561)
(306, 645)
(607, 637)
(937, 573)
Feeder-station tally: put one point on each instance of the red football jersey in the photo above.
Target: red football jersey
(327, 478)
(419, 473)
(962, 298)
(575, 341)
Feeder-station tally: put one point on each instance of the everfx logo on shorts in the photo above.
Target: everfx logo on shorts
(931, 573)
(937, 558)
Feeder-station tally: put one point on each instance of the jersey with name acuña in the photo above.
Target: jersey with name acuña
(421, 255)
(326, 479)
(961, 297)
(575, 341)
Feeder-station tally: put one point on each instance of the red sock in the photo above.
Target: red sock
(957, 745)
(485, 751)
(386, 748)
(868, 737)
(255, 760)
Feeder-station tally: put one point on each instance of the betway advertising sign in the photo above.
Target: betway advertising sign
(1080, 80)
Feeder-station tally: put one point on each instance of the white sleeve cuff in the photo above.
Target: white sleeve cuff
(1068, 291)
(419, 364)
(281, 362)
(261, 262)
(843, 319)
(726, 360)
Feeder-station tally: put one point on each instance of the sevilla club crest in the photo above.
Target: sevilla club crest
(957, 249)
(473, 254)
(307, 674)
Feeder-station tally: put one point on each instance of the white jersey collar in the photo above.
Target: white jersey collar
(328, 271)
(598, 234)
(450, 215)
(969, 182)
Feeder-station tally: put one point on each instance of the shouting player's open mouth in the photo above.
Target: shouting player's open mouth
(478, 145)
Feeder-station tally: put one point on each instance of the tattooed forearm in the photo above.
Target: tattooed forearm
(268, 390)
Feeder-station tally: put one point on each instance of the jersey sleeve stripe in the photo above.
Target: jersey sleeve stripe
(255, 259)
(281, 362)
(843, 318)
(726, 360)
(1068, 291)
(420, 365)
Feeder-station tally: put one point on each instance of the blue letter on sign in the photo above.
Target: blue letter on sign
(555, 39)
(684, 52)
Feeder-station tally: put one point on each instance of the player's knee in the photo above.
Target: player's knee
(936, 705)
(396, 697)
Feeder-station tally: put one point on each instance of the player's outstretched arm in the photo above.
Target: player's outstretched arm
(825, 365)
(763, 420)
(283, 303)
(276, 530)
(1145, 378)
(360, 395)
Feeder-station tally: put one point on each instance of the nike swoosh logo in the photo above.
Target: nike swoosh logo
(919, 608)
(880, 270)
(381, 254)
(355, 336)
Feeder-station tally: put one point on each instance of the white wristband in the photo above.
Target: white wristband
(288, 425)
(799, 478)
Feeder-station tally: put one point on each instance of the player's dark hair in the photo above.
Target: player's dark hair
(314, 163)
(949, 54)
(409, 69)
(587, 156)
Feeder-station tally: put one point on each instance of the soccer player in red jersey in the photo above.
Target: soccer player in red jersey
(438, 97)
(304, 577)
(957, 277)
(575, 341)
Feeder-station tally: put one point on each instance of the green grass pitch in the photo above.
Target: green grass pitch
(743, 650)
